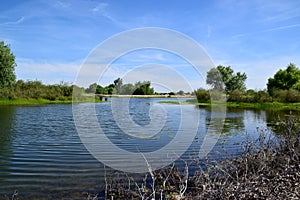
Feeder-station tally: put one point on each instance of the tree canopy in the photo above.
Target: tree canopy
(139, 88)
(286, 79)
(223, 78)
(7, 66)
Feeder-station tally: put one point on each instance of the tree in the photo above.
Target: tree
(143, 88)
(7, 66)
(92, 88)
(180, 92)
(109, 89)
(285, 79)
(118, 84)
(127, 88)
(99, 89)
(223, 78)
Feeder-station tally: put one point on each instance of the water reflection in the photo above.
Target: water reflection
(6, 136)
(41, 153)
(234, 122)
(280, 121)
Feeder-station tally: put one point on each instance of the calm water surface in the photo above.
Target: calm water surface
(41, 154)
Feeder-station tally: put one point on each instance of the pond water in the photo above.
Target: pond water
(42, 156)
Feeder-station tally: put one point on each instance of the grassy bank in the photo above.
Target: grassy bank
(264, 106)
(151, 96)
(40, 101)
(84, 98)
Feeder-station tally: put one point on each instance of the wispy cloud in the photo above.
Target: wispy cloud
(267, 30)
(285, 12)
(101, 8)
(60, 4)
(19, 21)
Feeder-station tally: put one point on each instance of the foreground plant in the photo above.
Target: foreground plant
(269, 168)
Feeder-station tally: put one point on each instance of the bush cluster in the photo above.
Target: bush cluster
(252, 96)
(37, 90)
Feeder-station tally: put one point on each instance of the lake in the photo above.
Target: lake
(42, 156)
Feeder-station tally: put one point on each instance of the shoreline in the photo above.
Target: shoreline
(243, 105)
(87, 98)
(91, 98)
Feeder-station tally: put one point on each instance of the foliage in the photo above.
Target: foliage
(127, 89)
(36, 90)
(7, 66)
(143, 88)
(202, 95)
(235, 96)
(286, 79)
(139, 88)
(92, 88)
(118, 85)
(223, 78)
(180, 92)
(290, 95)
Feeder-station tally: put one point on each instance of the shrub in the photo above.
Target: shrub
(293, 96)
(235, 96)
(202, 95)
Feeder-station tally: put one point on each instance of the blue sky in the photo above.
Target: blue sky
(51, 39)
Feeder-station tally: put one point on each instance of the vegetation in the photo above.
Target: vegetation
(223, 78)
(139, 88)
(268, 168)
(285, 79)
(284, 87)
(7, 66)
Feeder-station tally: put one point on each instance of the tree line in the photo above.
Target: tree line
(284, 86)
(117, 87)
(10, 88)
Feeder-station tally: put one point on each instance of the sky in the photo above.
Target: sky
(52, 39)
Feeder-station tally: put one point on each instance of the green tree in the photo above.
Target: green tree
(127, 88)
(223, 78)
(7, 66)
(109, 89)
(143, 88)
(99, 89)
(118, 84)
(286, 79)
(180, 92)
(92, 88)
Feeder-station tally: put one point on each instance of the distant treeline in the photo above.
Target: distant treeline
(139, 88)
(64, 91)
(283, 87)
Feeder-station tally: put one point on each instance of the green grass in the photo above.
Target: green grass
(170, 102)
(265, 106)
(31, 101)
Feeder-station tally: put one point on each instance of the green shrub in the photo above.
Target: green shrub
(293, 96)
(202, 95)
(236, 96)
